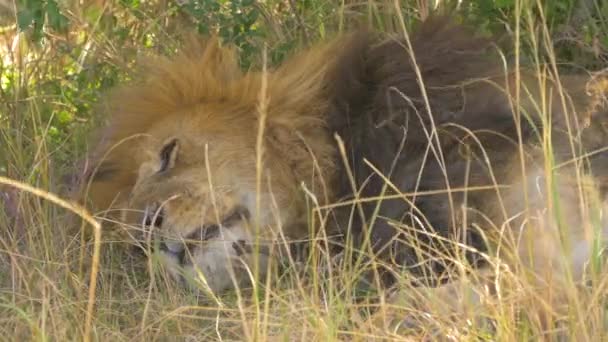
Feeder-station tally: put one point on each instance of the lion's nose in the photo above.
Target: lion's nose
(154, 218)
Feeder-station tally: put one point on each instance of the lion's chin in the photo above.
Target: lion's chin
(217, 265)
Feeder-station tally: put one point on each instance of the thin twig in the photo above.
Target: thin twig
(294, 8)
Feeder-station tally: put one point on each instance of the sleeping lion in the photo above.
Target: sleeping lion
(407, 142)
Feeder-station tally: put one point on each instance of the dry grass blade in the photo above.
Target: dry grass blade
(84, 214)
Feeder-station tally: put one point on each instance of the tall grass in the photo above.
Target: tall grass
(49, 273)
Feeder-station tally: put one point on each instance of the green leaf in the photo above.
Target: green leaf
(57, 20)
(25, 18)
(64, 117)
(92, 13)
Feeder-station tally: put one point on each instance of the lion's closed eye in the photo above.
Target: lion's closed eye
(237, 214)
(211, 231)
(204, 233)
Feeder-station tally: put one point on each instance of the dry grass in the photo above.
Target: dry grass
(56, 285)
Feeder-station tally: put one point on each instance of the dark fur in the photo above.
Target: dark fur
(381, 115)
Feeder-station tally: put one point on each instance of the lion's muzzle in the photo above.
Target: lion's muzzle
(214, 256)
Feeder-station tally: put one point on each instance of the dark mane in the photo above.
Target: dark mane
(382, 115)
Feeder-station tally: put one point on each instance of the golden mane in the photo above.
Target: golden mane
(207, 72)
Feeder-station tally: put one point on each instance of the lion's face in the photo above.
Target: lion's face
(195, 198)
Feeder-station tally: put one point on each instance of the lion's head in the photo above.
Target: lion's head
(180, 157)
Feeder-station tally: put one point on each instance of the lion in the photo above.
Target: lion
(217, 165)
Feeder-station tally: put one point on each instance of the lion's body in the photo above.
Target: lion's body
(180, 155)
